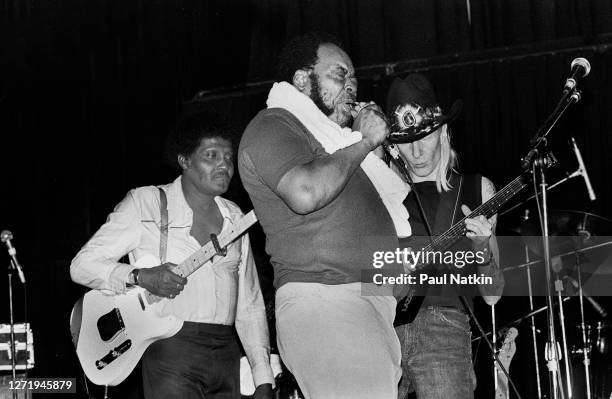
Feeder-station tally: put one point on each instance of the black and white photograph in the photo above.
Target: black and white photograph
(306, 199)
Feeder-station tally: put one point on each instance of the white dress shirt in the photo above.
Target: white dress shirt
(225, 290)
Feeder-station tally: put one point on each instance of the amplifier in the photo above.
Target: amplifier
(24, 352)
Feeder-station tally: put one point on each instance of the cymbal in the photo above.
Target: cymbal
(564, 223)
(569, 230)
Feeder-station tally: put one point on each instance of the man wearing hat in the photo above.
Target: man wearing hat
(436, 347)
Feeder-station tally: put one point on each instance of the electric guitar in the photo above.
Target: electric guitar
(407, 309)
(111, 332)
(505, 355)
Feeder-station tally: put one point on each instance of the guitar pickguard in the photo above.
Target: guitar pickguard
(110, 324)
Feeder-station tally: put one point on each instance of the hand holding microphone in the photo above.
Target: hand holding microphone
(371, 122)
(356, 107)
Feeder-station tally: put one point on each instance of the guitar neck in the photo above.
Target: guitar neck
(204, 254)
(487, 209)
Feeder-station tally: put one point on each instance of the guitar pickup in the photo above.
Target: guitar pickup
(113, 354)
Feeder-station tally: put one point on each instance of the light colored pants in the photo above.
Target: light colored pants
(337, 342)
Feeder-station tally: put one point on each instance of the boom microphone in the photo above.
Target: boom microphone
(598, 308)
(6, 237)
(580, 68)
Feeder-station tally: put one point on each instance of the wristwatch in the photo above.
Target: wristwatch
(133, 277)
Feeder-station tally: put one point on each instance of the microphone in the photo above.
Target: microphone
(580, 68)
(6, 237)
(582, 171)
(596, 305)
(392, 150)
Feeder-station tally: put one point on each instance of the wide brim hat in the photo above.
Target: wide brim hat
(414, 111)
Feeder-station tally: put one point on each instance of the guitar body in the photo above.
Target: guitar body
(111, 332)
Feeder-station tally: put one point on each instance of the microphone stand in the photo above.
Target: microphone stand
(535, 163)
(539, 140)
(566, 178)
(585, 351)
(568, 372)
(551, 354)
(11, 268)
(533, 327)
(494, 342)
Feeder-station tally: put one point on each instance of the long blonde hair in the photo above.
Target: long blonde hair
(448, 160)
(447, 164)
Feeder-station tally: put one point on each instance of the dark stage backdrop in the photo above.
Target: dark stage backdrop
(89, 89)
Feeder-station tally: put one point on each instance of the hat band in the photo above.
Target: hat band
(412, 116)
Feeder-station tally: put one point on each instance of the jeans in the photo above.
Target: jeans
(200, 361)
(437, 355)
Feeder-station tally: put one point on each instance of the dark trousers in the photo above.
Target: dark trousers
(200, 361)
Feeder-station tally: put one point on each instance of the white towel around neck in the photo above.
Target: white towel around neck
(391, 188)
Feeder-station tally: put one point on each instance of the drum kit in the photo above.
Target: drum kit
(581, 251)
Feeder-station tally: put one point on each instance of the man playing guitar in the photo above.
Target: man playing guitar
(436, 348)
(203, 358)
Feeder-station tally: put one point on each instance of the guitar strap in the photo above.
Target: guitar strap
(447, 207)
(163, 227)
(446, 212)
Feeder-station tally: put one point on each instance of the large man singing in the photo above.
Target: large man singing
(323, 199)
